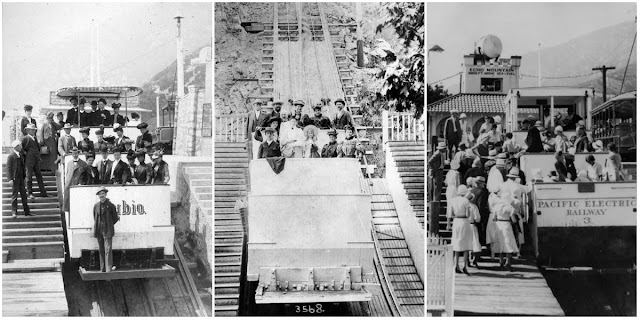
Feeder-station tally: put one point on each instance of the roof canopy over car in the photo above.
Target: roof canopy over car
(99, 92)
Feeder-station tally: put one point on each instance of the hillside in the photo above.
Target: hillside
(163, 84)
(608, 46)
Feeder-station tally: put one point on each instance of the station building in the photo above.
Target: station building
(484, 87)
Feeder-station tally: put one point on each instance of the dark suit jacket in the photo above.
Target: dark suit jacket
(122, 120)
(144, 173)
(120, 144)
(562, 171)
(268, 151)
(72, 116)
(31, 150)
(453, 130)
(94, 178)
(23, 124)
(105, 212)
(86, 145)
(15, 167)
(99, 120)
(534, 141)
(121, 173)
(104, 172)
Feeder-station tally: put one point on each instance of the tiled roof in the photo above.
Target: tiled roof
(470, 103)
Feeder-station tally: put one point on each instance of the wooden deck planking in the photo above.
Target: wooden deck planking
(33, 294)
(489, 291)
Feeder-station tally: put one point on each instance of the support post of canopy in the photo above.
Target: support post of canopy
(589, 106)
(553, 114)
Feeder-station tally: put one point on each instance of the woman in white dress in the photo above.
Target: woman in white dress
(474, 221)
(505, 241)
(491, 222)
(461, 233)
(452, 179)
(291, 138)
(613, 164)
(310, 149)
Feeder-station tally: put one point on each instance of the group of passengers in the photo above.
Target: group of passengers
(485, 185)
(98, 116)
(294, 134)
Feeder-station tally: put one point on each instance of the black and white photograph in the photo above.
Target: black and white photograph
(531, 148)
(108, 105)
(319, 159)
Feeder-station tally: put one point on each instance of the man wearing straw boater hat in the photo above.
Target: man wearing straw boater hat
(31, 150)
(15, 173)
(436, 165)
(104, 219)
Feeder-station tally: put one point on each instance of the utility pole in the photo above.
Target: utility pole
(539, 67)
(180, 60)
(604, 80)
(360, 42)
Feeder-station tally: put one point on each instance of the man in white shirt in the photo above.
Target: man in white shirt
(594, 171)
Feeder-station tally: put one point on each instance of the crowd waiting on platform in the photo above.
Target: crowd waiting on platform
(294, 135)
(485, 185)
(44, 147)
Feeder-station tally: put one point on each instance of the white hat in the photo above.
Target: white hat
(559, 129)
(572, 151)
(462, 190)
(441, 145)
(581, 123)
(497, 118)
(15, 143)
(501, 162)
(597, 145)
(463, 116)
(514, 173)
(492, 154)
(455, 165)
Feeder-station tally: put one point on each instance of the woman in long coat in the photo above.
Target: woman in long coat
(47, 136)
(474, 221)
(461, 232)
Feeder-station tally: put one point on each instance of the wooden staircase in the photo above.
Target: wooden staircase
(407, 289)
(231, 167)
(198, 175)
(409, 158)
(34, 242)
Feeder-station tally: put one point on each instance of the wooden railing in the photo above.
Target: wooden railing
(231, 127)
(400, 126)
(440, 276)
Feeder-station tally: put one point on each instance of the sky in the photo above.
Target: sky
(46, 46)
(520, 26)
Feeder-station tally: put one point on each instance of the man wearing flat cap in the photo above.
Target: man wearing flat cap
(85, 145)
(104, 167)
(269, 148)
(145, 135)
(103, 116)
(117, 117)
(104, 219)
(73, 113)
(31, 151)
(77, 173)
(160, 169)
(27, 119)
(343, 117)
(15, 173)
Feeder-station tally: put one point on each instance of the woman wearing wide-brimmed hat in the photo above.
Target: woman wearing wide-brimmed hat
(310, 147)
(461, 233)
(291, 138)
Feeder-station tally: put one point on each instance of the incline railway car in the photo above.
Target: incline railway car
(143, 241)
(309, 233)
(585, 223)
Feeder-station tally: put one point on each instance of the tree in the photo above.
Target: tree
(403, 87)
(436, 93)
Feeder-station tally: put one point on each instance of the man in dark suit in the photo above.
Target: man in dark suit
(27, 119)
(73, 113)
(104, 167)
(77, 173)
(97, 146)
(160, 169)
(145, 135)
(318, 119)
(104, 218)
(15, 174)
(119, 170)
(277, 107)
(31, 151)
(452, 133)
(343, 117)
(269, 148)
(436, 165)
(561, 167)
(92, 116)
(252, 120)
(120, 138)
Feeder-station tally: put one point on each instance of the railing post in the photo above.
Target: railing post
(385, 127)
